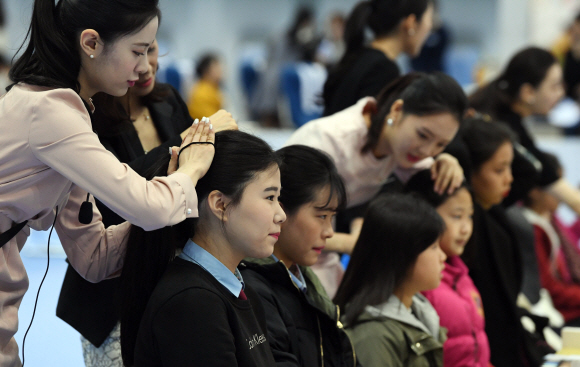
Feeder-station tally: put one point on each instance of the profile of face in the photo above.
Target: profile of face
(119, 64)
(252, 227)
(215, 72)
(413, 138)
(146, 81)
(457, 213)
(427, 271)
(543, 201)
(491, 183)
(418, 32)
(550, 91)
(305, 232)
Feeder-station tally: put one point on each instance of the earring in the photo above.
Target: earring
(411, 32)
(390, 122)
(92, 56)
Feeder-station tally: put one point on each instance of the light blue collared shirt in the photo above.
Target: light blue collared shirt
(298, 280)
(197, 255)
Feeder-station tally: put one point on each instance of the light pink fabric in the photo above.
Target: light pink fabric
(342, 136)
(50, 156)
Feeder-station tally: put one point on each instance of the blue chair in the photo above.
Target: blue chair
(290, 85)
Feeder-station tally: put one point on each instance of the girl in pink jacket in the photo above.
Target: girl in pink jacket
(456, 300)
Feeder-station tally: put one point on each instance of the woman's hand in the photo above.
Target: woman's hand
(221, 120)
(447, 173)
(195, 159)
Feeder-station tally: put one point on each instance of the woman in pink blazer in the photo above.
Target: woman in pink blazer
(50, 158)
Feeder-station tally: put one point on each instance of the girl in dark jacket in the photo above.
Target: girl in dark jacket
(302, 322)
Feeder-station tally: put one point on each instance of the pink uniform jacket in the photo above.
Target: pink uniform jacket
(460, 310)
(50, 156)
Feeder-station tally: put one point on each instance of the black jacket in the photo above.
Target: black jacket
(92, 309)
(191, 319)
(298, 324)
(367, 73)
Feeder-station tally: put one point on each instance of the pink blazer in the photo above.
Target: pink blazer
(50, 156)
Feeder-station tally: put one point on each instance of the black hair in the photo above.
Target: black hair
(204, 64)
(238, 158)
(304, 171)
(303, 15)
(483, 138)
(423, 95)
(52, 57)
(422, 185)
(553, 161)
(529, 66)
(396, 229)
(382, 17)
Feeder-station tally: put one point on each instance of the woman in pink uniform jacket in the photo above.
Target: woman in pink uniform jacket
(50, 158)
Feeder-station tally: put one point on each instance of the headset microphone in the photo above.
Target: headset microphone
(86, 211)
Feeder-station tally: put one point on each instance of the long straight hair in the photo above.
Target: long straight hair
(396, 229)
(239, 157)
(52, 56)
(382, 17)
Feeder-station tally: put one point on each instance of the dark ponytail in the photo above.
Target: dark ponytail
(304, 171)
(422, 95)
(52, 56)
(528, 66)
(355, 26)
(382, 17)
(238, 158)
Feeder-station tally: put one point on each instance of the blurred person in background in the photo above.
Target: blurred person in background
(431, 57)
(205, 97)
(531, 85)
(332, 46)
(572, 62)
(284, 49)
(398, 26)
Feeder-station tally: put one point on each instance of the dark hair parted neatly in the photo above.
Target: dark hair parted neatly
(304, 171)
(482, 139)
(396, 229)
(52, 56)
(422, 95)
(382, 17)
(528, 66)
(239, 157)
(422, 184)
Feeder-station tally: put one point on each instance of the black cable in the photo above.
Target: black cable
(40, 286)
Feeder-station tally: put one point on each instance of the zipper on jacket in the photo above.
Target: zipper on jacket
(321, 348)
(340, 326)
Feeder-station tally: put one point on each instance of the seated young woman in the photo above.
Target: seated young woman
(396, 257)
(194, 309)
(303, 326)
(456, 300)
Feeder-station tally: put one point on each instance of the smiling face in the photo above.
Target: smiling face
(305, 232)
(118, 65)
(146, 81)
(457, 213)
(491, 183)
(253, 225)
(414, 138)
